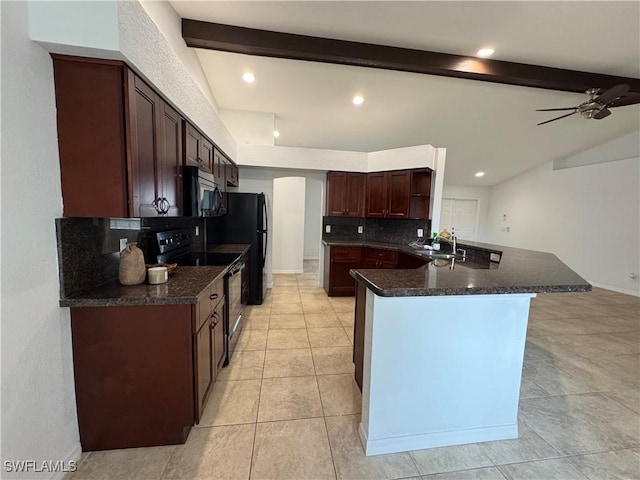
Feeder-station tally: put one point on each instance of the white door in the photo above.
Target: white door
(460, 216)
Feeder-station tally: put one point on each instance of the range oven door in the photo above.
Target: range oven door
(234, 299)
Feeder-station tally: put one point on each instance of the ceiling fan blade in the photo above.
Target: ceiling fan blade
(630, 99)
(611, 94)
(555, 109)
(602, 114)
(558, 118)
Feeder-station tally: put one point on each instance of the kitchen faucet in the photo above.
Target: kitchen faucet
(452, 240)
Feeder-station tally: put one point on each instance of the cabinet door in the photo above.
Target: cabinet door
(219, 173)
(169, 160)
(219, 344)
(376, 196)
(206, 153)
(336, 187)
(144, 133)
(354, 195)
(341, 283)
(399, 191)
(91, 107)
(191, 145)
(204, 370)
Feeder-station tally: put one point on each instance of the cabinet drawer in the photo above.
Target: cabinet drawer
(346, 253)
(208, 300)
(381, 254)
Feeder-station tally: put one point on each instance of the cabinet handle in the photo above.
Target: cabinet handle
(164, 206)
(156, 204)
(213, 296)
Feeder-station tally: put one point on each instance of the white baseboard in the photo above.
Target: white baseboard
(73, 456)
(287, 271)
(635, 293)
(432, 440)
(311, 258)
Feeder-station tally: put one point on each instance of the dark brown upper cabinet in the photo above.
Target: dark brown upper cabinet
(420, 193)
(119, 142)
(387, 194)
(345, 194)
(231, 172)
(198, 149)
(156, 147)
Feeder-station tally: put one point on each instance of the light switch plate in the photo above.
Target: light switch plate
(360, 229)
(327, 228)
(123, 244)
(420, 233)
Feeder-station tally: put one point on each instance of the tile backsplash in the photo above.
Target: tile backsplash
(374, 229)
(89, 248)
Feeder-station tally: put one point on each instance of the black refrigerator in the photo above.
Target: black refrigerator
(246, 222)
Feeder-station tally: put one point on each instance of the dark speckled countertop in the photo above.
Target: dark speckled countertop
(183, 286)
(519, 271)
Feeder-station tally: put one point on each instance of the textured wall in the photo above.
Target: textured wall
(38, 399)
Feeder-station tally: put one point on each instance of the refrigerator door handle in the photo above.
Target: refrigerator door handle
(266, 230)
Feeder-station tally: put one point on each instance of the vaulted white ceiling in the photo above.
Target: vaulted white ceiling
(484, 126)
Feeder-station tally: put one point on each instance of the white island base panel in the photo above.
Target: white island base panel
(441, 370)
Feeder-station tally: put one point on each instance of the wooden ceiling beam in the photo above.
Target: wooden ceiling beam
(266, 43)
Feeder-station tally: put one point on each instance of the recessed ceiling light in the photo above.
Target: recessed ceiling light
(357, 100)
(249, 77)
(276, 133)
(485, 52)
(479, 174)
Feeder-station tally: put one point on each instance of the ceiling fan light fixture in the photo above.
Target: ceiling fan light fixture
(358, 100)
(485, 52)
(249, 77)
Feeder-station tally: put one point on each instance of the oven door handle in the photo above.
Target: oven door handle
(237, 268)
(235, 326)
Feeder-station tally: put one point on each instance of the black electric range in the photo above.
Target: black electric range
(175, 246)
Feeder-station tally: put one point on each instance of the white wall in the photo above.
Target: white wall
(170, 24)
(160, 57)
(300, 158)
(588, 216)
(38, 399)
(288, 224)
(260, 180)
(481, 194)
(419, 156)
(313, 211)
(255, 128)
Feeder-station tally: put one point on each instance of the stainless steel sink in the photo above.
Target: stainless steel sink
(432, 254)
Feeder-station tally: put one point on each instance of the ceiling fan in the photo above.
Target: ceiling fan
(597, 107)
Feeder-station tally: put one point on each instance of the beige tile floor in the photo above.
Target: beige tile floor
(287, 407)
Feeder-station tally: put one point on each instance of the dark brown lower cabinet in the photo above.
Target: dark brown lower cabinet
(143, 374)
(338, 262)
(134, 375)
(358, 332)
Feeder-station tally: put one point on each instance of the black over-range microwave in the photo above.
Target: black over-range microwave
(202, 198)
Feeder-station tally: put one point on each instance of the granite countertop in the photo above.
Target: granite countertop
(519, 271)
(183, 286)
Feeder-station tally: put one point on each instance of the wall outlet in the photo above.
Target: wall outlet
(197, 230)
(327, 228)
(420, 233)
(504, 217)
(360, 229)
(123, 244)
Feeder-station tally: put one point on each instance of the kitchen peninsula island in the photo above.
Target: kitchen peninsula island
(439, 350)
